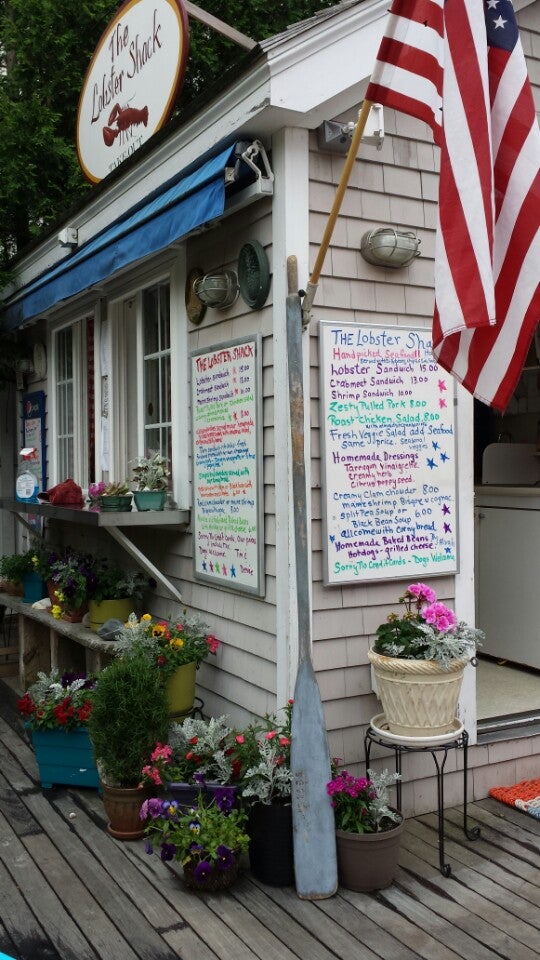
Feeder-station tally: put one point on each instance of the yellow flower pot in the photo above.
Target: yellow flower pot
(180, 688)
(109, 610)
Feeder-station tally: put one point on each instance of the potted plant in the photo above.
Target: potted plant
(25, 569)
(115, 592)
(207, 838)
(151, 476)
(176, 647)
(368, 830)
(129, 715)
(12, 570)
(418, 661)
(95, 493)
(57, 709)
(198, 756)
(116, 497)
(262, 753)
(71, 584)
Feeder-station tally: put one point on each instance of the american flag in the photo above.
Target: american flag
(459, 66)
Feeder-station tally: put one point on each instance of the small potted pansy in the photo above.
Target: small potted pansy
(207, 838)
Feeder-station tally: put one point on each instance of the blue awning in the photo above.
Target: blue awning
(191, 202)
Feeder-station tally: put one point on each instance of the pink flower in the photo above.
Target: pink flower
(213, 643)
(422, 592)
(440, 617)
(240, 738)
(270, 735)
(161, 752)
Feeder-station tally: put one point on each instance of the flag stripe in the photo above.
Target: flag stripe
(466, 56)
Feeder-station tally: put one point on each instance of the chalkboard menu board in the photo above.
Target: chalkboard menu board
(389, 454)
(227, 510)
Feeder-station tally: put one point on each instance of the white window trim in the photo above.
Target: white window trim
(80, 389)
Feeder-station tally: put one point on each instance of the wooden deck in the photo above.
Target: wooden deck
(68, 891)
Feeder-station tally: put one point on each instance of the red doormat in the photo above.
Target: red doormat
(523, 796)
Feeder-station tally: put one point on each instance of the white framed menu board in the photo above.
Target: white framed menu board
(389, 454)
(228, 547)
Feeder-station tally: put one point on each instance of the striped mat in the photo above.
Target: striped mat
(523, 796)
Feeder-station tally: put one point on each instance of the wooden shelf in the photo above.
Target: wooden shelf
(97, 518)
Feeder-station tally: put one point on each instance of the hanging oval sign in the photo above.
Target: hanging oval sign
(132, 83)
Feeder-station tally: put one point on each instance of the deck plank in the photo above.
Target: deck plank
(69, 891)
(496, 927)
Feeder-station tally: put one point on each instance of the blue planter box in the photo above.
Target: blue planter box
(65, 758)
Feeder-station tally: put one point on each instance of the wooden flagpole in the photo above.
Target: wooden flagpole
(340, 192)
(219, 26)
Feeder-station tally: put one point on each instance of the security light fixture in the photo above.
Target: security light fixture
(387, 247)
(218, 290)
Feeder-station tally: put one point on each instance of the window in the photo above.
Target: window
(156, 340)
(72, 427)
(64, 404)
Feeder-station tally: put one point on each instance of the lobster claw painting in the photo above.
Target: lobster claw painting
(123, 118)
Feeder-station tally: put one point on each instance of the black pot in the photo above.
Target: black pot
(271, 855)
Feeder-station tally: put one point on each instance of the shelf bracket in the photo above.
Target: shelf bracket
(144, 562)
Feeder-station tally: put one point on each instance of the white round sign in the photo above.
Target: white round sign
(132, 83)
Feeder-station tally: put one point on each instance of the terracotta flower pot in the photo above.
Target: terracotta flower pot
(122, 806)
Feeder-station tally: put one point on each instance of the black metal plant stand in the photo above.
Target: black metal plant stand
(439, 753)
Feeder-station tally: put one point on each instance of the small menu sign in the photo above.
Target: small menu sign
(388, 425)
(227, 522)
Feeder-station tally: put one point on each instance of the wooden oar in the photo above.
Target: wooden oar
(313, 817)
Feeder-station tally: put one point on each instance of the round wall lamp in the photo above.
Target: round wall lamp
(387, 247)
(253, 274)
(217, 289)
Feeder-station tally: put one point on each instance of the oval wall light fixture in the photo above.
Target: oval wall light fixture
(217, 289)
(387, 247)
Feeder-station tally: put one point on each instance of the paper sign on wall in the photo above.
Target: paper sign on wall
(388, 424)
(227, 512)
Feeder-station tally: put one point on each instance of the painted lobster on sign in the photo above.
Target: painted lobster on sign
(124, 118)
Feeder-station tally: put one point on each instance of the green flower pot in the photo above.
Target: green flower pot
(150, 499)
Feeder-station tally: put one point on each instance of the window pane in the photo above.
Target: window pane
(151, 389)
(151, 320)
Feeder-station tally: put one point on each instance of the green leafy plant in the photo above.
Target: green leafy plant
(361, 804)
(113, 583)
(263, 756)
(151, 473)
(73, 578)
(117, 489)
(167, 644)
(57, 702)
(130, 714)
(208, 837)
(16, 566)
(428, 630)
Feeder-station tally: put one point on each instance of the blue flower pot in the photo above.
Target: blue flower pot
(34, 588)
(65, 758)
